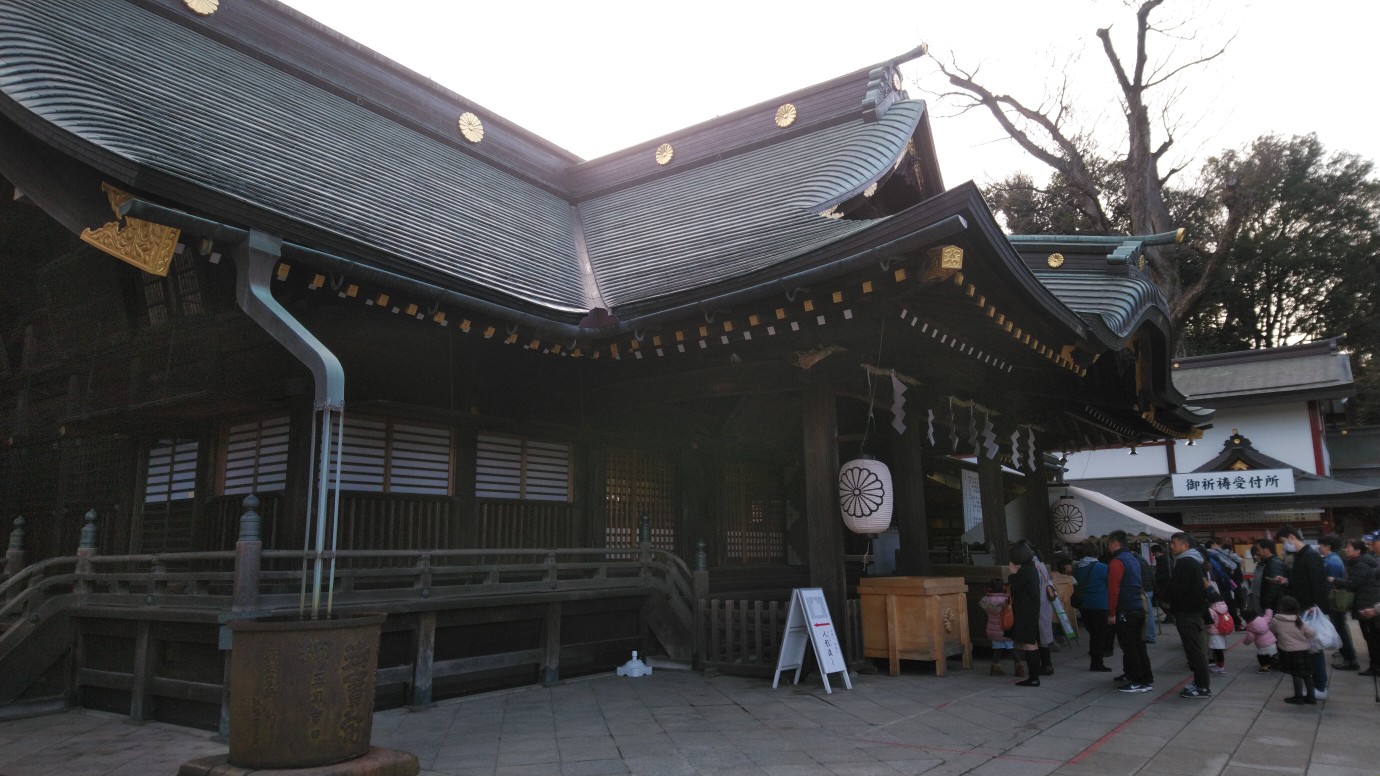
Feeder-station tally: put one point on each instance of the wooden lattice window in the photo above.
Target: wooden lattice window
(753, 508)
(521, 469)
(256, 457)
(637, 482)
(392, 456)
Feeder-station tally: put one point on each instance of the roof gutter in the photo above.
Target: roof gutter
(148, 211)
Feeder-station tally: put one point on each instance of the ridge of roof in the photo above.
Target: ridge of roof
(1329, 345)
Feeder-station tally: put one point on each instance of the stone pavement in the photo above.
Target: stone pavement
(679, 722)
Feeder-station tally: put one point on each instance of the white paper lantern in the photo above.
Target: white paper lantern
(865, 495)
(1070, 519)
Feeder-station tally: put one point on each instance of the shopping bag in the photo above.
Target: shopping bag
(1325, 635)
(1064, 622)
(1340, 601)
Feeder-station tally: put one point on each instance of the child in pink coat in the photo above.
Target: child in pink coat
(1294, 636)
(1002, 645)
(1217, 641)
(1258, 633)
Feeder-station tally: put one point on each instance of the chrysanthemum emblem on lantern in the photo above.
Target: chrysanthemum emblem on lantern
(865, 495)
(1069, 519)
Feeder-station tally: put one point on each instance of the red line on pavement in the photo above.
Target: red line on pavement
(1094, 746)
(1172, 692)
(992, 755)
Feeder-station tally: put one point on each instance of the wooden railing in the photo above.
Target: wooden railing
(363, 578)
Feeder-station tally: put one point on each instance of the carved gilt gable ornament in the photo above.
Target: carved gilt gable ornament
(203, 7)
(144, 244)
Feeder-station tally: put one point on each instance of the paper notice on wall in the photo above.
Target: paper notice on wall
(972, 500)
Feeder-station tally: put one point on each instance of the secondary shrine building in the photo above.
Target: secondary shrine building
(234, 234)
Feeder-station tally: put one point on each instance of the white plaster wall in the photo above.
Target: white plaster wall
(1117, 463)
(1279, 430)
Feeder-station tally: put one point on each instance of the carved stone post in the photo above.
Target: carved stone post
(248, 554)
(701, 583)
(644, 543)
(85, 551)
(14, 556)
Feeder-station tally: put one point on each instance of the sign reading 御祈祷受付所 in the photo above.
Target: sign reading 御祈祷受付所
(1253, 482)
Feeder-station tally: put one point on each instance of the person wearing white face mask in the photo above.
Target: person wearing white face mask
(1307, 583)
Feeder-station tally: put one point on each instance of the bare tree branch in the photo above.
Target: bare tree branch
(1066, 157)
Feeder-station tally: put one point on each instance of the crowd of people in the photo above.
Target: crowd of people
(1287, 612)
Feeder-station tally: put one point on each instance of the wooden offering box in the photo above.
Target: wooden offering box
(915, 618)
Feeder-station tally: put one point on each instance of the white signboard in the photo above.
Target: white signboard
(972, 499)
(808, 622)
(1254, 482)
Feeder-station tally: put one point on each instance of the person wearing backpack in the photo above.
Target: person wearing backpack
(1091, 575)
(1222, 624)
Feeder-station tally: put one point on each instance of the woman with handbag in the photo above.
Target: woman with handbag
(1026, 595)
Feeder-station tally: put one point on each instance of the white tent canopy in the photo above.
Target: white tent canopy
(1101, 516)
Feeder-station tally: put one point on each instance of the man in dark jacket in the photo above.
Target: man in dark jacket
(1307, 583)
(1363, 578)
(1126, 613)
(1265, 592)
(1187, 600)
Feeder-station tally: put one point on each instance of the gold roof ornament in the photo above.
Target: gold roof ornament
(870, 190)
(203, 7)
(471, 127)
(943, 262)
(1055, 260)
(785, 115)
(896, 82)
(144, 244)
(664, 152)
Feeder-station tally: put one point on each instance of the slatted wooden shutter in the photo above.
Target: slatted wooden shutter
(387, 456)
(256, 455)
(172, 471)
(515, 468)
(419, 460)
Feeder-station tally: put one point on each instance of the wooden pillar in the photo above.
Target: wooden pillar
(289, 525)
(145, 654)
(911, 521)
(993, 508)
(594, 502)
(551, 644)
(823, 523)
(423, 660)
(465, 533)
(698, 520)
(1035, 520)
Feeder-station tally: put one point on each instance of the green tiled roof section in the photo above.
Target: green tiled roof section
(1291, 373)
(179, 103)
(739, 215)
(1118, 303)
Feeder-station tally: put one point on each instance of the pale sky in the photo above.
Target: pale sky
(596, 76)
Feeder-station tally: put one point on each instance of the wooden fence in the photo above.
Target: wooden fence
(744, 637)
